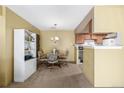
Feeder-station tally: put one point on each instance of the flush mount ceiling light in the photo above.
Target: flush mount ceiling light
(54, 26)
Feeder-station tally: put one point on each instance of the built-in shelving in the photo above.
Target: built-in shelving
(25, 63)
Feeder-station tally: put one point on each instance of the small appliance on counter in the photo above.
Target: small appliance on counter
(113, 40)
(109, 42)
(89, 43)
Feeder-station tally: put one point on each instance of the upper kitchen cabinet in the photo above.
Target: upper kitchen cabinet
(108, 18)
(79, 38)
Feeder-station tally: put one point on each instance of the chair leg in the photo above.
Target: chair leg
(59, 65)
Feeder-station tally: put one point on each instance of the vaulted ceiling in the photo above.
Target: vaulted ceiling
(67, 17)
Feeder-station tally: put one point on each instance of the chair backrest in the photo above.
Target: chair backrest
(51, 57)
(66, 53)
(40, 53)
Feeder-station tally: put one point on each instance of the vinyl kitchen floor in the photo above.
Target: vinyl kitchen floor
(69, 76)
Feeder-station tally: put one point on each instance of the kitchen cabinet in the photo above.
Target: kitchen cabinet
(97, 37)
(88, 64)
(79, 38)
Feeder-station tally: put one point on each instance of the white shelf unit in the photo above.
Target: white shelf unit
(23, 69)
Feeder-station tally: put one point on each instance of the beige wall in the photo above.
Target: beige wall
(109, 64)
(109, 19)
(0, 10)
(67, 40)
(12, 21)
(2, 47)
(104, 19)
(86, 29)
(109, 67)
(83, 27)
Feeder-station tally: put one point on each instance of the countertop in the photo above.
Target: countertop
(104, 47)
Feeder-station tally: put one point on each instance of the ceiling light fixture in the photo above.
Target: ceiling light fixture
(55, 38)
(54, 26)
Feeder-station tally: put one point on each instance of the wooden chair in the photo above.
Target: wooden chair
(52, 60)
(42, 58)
(63, 57)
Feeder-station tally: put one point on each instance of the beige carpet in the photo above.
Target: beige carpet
(69, 76)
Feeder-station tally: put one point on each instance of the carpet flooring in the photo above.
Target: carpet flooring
(68, 76)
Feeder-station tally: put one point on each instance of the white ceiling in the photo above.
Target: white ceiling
(67, 17)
